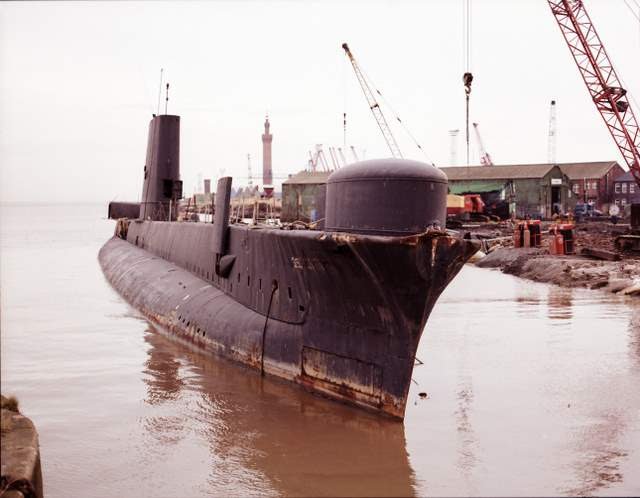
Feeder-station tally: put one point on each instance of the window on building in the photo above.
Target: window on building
(624, 188)
(576, 188)
(617, 188)
(623, 202)
(632, 188)
(617, 202)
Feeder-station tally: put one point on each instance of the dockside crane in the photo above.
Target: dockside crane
(318, 158)
(355, 154)
(600, 77)
(374, 106)
(249, 170)
(485, 158)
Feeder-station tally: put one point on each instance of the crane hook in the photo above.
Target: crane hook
(467, 78)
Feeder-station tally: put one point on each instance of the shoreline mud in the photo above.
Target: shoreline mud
(619, 277)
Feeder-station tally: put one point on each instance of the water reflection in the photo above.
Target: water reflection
(262, 433)
(634, 336)
(527, 303)
(599, 455)
(600, 445)
(467, 449)
(559, 304)
(162, 377)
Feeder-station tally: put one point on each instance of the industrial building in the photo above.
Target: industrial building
(303, 196)
(536, 190)
(539, 190)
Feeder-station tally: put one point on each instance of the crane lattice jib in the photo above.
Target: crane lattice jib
(600, 77)
(374, 106)
(485, 158)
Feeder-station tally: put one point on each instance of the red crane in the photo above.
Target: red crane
(600, 77)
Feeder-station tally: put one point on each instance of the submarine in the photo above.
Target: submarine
(339, 310)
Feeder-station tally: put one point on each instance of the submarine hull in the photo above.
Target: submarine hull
(340, 314)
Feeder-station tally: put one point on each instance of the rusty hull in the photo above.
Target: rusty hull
(337, 313)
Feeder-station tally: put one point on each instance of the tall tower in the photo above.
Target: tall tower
(267, 174)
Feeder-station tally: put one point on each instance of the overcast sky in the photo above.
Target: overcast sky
(79, 82)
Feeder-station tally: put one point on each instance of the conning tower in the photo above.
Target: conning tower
(162, 188)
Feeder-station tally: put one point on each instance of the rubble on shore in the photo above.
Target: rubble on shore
(622, 277)
(577, 270)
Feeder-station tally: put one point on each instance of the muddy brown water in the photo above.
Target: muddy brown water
(531, 390)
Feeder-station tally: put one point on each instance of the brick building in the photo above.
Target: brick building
(593, 182)
(625, 190)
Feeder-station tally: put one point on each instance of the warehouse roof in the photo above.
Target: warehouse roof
(573, 170)
(578, 171)
(502, 172)
(308, 177)
(497, 172)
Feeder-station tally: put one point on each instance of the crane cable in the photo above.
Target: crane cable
(397, 118)
(467, 77)
(633, 12)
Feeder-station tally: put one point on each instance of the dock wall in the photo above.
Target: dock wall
(21, 475)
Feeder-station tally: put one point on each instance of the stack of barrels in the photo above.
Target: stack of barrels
(527, 234)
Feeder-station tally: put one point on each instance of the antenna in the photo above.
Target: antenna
(344, 123)
(551, 145)
(160, 90)
(166, 100)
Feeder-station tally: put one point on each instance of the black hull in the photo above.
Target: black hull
(338, 313)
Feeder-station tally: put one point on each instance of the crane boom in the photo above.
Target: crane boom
(355, 154)
(485, 158)
(374, 106)
(600, 77)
